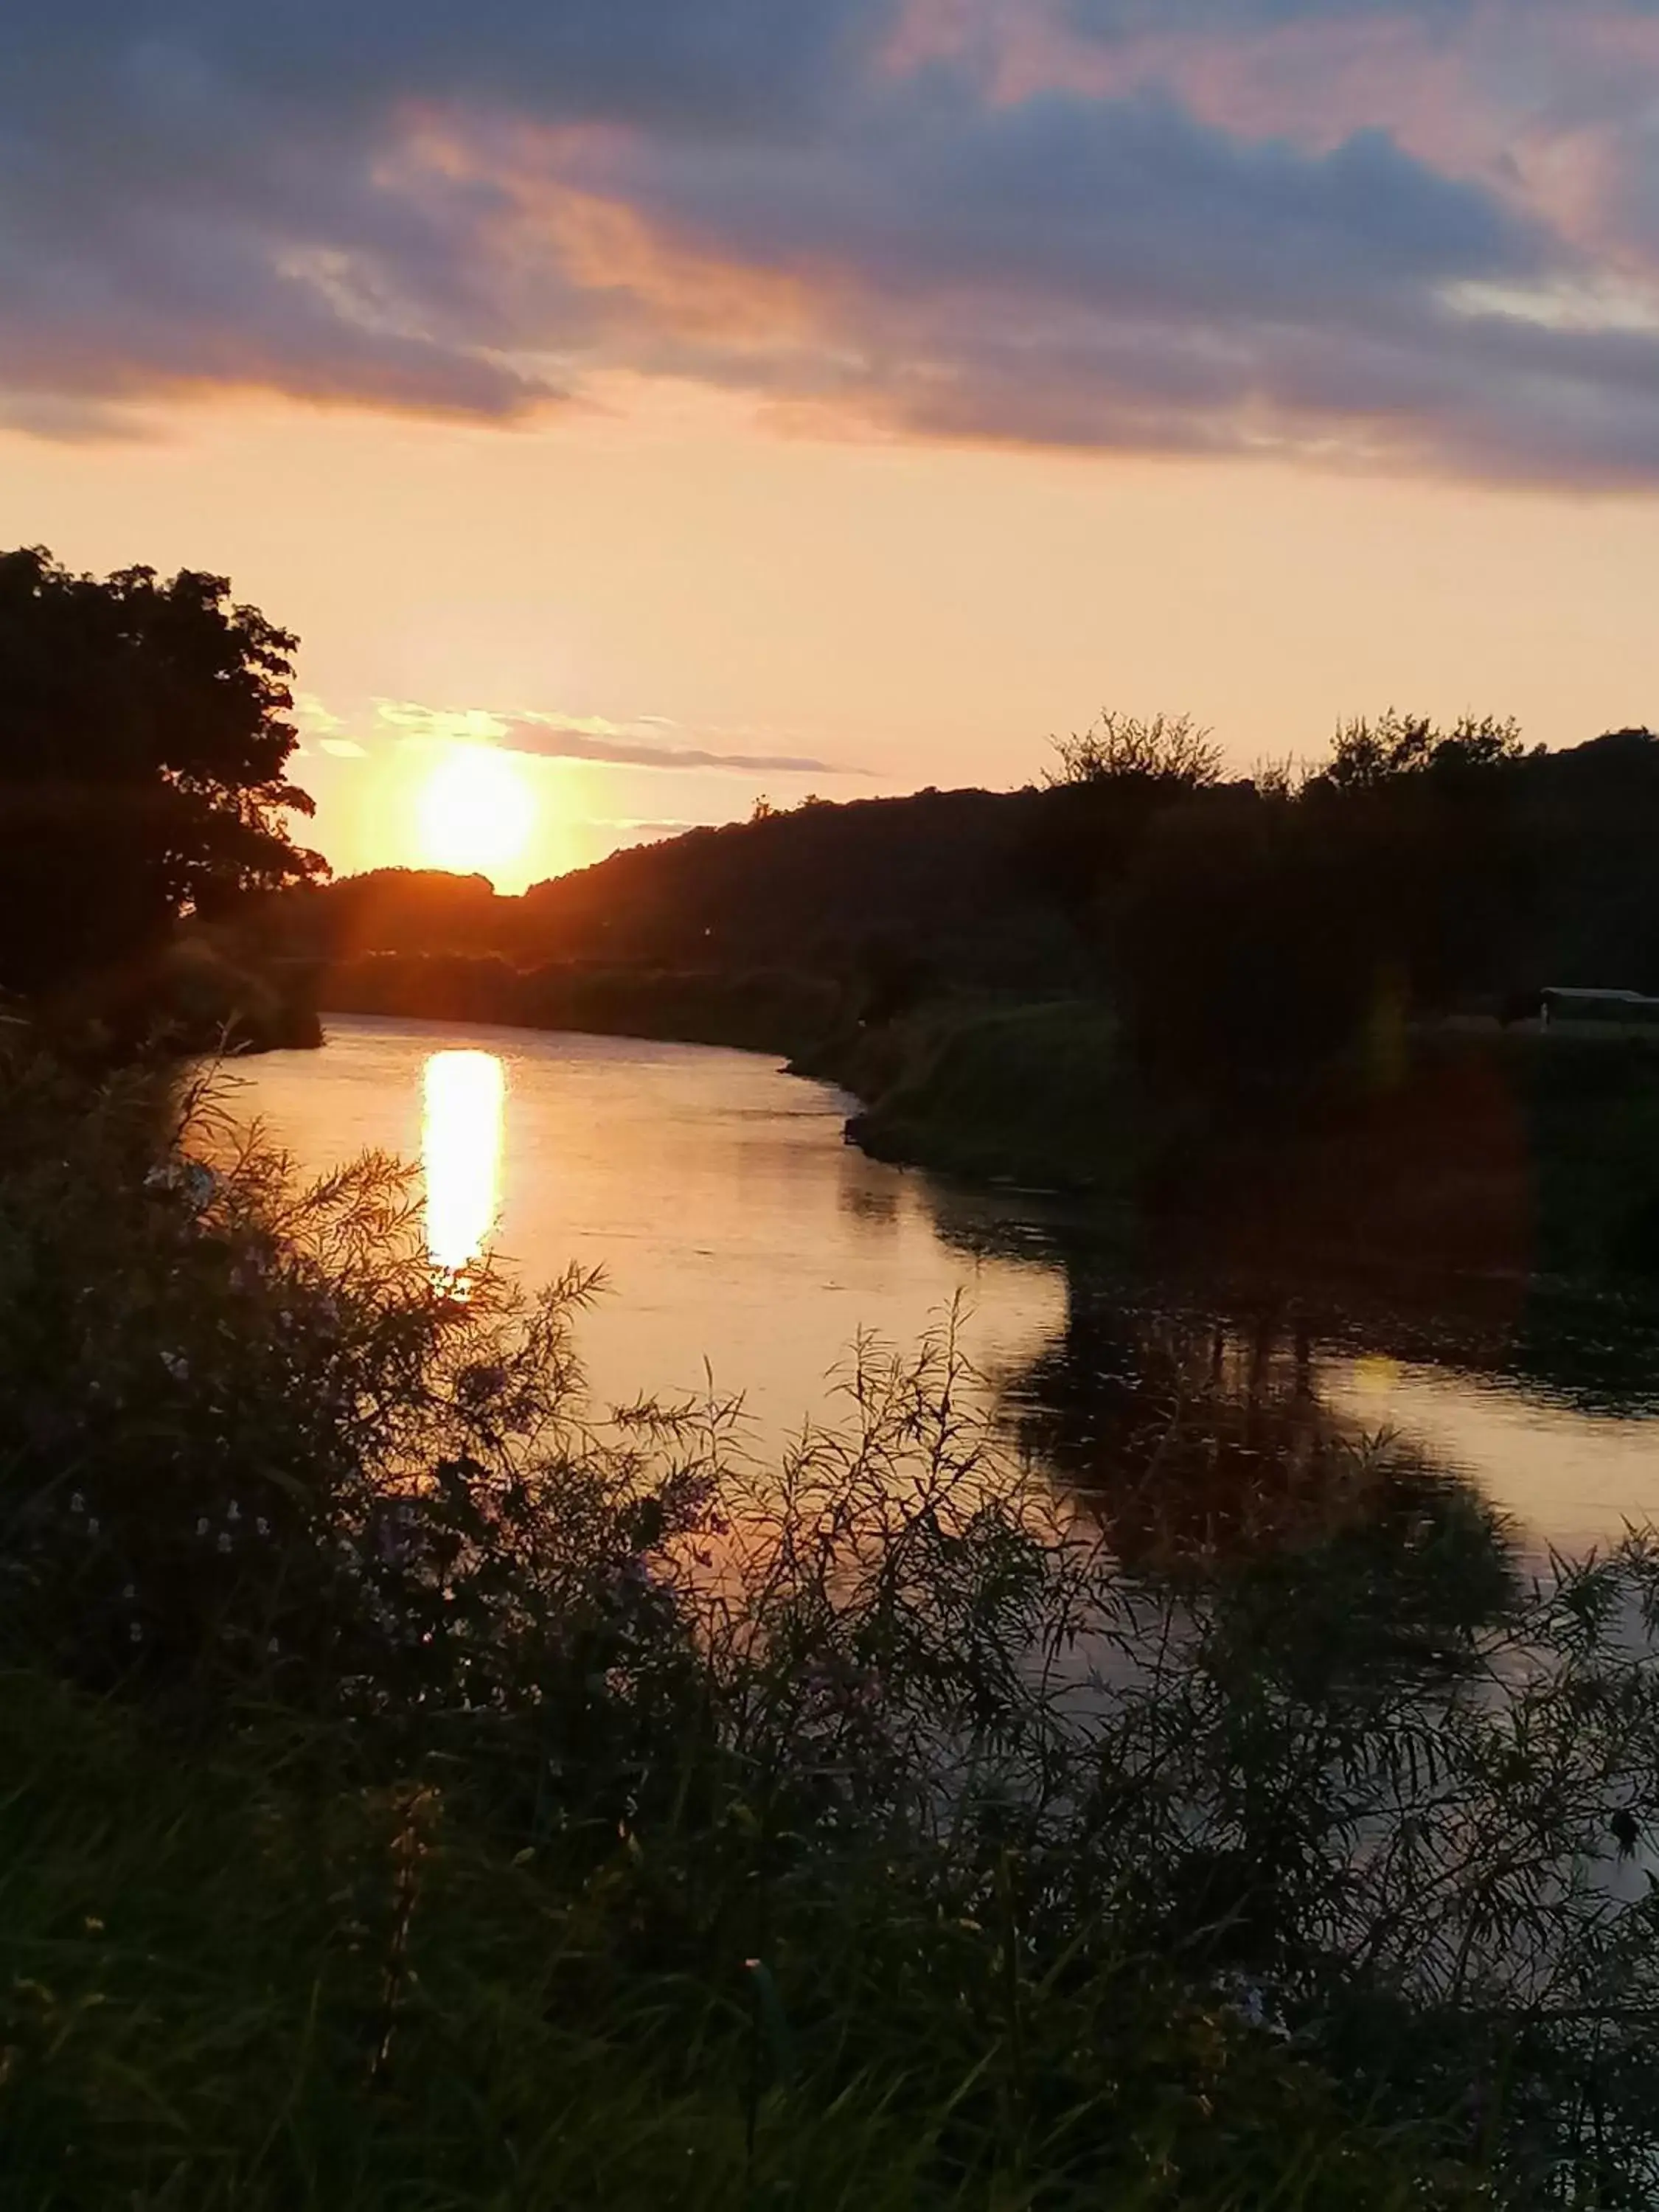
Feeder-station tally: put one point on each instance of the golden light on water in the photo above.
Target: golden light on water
(462, 1098)
(477, 810)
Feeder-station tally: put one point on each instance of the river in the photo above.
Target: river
(742, 1240)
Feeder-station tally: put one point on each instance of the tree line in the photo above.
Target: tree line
(1242, 926)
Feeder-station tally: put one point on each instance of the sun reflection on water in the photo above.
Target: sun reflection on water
(462, 1096)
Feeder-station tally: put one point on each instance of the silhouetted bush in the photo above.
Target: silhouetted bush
(1168, 753)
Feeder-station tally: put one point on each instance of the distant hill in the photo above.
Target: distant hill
(947, 875)
(1473, 882)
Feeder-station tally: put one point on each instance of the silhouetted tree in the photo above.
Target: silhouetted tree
(418, 910)
(1366, 755)
(144, 745)
(1451, 885)
(1111, 782)
(1169, 750)
(1245, 939)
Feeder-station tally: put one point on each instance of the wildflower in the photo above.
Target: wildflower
(200, 1182)
(232, 1512)
(202, 1525)
(262, 1526)
(176, 1365)
(136, 1633)
(224, 1541)
(77, 1504)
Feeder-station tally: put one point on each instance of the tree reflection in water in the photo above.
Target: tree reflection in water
(1202, 1447)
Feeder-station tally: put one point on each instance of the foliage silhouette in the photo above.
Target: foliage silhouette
(144, 747)
(1169, 751)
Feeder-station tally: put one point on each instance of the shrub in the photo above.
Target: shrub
(260, 1449)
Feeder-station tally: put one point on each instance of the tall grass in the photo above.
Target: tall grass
(423, 1787)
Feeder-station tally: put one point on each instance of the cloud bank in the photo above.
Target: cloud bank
(649, 741)
(552, 740)
(1406, 233)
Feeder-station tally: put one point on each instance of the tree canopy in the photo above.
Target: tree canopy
(1366, 755)
(144, 744)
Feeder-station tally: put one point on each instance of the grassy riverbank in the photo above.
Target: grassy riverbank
(1468, 1147)
(1039, 1093)
(778, 1010)
(422, 1789)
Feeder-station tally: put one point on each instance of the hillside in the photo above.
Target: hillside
(948, 875)
(1479, 873)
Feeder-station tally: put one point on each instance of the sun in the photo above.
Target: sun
(477, 811)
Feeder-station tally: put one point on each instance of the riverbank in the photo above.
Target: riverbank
(1039, 1093)
(774, 1009)
(1440, 1146)
(1462, 1147)
(193, 998)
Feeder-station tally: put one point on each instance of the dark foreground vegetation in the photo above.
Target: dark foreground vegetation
(424, 1790)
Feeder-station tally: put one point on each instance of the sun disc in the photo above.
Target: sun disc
(477, 810)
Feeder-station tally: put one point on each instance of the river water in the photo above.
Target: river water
(742, 1240)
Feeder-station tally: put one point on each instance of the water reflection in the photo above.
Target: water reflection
(734, 1226)
(462, 1096)
(1185, 1435)
(1197, 1443)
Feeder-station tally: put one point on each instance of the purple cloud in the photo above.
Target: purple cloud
(481, 210)
(552, 740)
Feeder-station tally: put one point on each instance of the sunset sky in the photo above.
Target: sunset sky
(691, 400)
